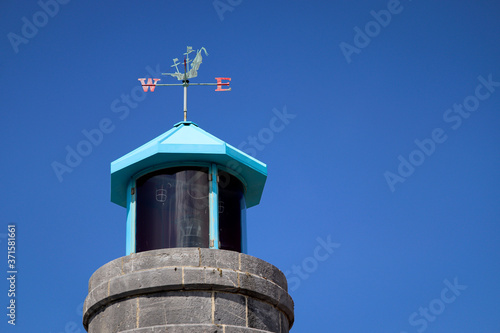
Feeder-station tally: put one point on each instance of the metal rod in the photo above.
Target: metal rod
(185, 101)
(209, 84)
(191, 84)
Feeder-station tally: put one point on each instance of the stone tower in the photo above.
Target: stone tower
(186, 194)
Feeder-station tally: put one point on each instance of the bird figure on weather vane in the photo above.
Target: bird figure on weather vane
(184, 77)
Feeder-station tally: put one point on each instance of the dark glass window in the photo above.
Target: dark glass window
(232, 211)
(172, 209)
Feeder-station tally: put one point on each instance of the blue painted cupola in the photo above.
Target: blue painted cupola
(186, 188)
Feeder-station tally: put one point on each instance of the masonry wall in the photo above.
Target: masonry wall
(185, 290)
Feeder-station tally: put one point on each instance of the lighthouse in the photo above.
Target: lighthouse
(185, 267)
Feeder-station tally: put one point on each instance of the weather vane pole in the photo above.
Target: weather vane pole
(184, 77)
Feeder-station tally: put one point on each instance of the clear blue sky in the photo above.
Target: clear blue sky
(369, 87)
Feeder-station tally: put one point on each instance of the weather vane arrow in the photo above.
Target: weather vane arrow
(191, 68)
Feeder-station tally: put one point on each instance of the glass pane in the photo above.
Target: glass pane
(172, 209)
(232, 211)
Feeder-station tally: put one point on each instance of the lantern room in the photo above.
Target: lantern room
(186, 188)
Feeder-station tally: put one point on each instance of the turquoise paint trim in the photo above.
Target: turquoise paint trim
(254, 181)
(246, 159)
(187, 142)
(244, 233)
(170, 165)
(214, 208)
(134, 219)
(145, 146)
(181, 135)
(193, 149)
(192, 135)
(130, 233)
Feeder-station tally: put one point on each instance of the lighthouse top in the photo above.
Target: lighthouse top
(186, 187)
(188, 144)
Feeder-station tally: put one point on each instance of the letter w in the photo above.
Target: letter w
(149, 84)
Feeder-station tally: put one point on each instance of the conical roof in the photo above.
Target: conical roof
(185, 143)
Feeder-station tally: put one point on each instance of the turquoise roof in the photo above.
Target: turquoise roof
(183, 144)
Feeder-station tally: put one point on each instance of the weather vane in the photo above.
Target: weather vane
(193, 66)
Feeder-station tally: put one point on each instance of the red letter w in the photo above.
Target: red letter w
(150, 84)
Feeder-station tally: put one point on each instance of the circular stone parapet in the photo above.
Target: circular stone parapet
(183, 290)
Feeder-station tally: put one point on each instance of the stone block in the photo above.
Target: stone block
(195, 329)
(286, 305)
(256, 286)
(97, 295)
(175, 308)
(236, 329)
(209, 278)
(284, 323)
(192, 329)
(152, 280)
(178, 329)
(263, 316)
(105, 273)
(230, 309)
(116, 317)
(176, 257)
(263, 269)
(219, 259)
